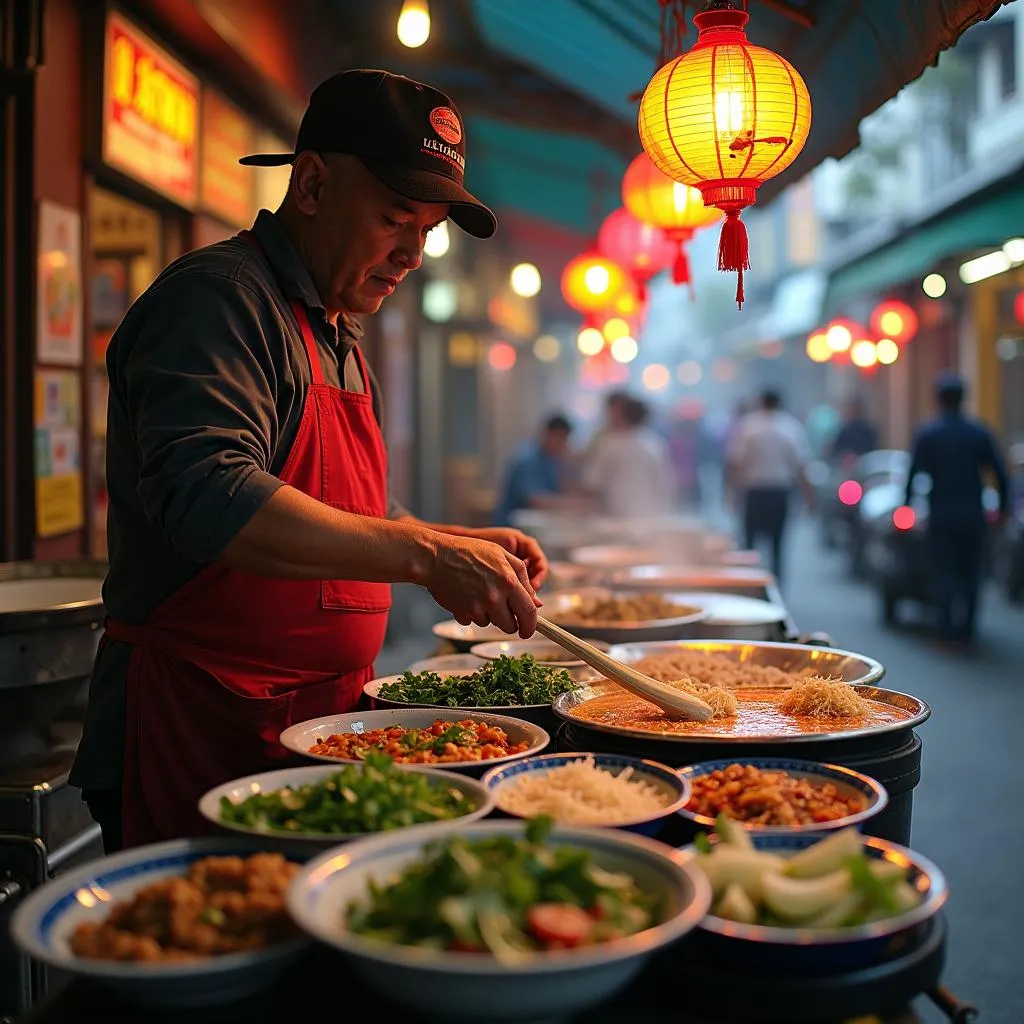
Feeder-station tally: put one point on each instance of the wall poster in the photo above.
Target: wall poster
(59, 286)
(60, 506)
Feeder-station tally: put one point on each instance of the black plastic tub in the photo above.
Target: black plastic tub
(892, 758)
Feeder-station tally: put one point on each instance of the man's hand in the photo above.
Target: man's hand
(481, 582)
(517, 543)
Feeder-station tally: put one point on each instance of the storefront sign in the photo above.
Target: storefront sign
(150, 114)
(58, 423)
(226, 187)
(59, 286)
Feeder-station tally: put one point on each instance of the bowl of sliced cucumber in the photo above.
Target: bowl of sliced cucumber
(802, 901)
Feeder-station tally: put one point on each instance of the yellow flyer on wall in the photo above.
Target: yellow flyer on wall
(59, 505)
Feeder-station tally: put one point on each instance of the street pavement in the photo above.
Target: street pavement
(969, 807)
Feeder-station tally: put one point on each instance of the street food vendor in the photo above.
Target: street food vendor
(252, 537)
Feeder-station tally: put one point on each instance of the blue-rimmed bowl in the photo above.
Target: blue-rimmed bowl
(43, 924)
(475, 987)
(830, 949)
(675, 788)
(847, 782)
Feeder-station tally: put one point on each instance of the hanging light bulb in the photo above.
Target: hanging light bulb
(414, 23)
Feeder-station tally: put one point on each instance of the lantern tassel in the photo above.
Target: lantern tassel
(734, 250)
(681, 267)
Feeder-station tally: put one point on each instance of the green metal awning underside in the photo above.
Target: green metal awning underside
(546, 85)
(856, 55)
(985, 225)
(568, 180)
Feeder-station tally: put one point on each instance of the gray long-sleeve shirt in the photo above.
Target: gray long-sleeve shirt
(208, 376)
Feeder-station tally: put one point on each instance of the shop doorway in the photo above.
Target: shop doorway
(126, 241)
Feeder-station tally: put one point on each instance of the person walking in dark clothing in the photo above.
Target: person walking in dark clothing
(956, 452)
(857, 435)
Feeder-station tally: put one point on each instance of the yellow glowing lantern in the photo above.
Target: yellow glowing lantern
(818, 348)
(725, 117)
(592, 284)
(656, 199)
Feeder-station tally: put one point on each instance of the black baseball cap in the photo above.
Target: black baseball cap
(407, 134)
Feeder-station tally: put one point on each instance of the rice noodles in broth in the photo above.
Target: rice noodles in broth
(813, 705)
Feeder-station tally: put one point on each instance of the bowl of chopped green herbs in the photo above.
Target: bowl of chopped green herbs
(500, 920)
(520, 687)
(324, 805)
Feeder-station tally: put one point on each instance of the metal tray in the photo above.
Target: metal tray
(625, 632)
(919, 712)
(857, 669)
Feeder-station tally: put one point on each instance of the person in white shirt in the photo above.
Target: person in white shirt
(767, 457)
(630, 469)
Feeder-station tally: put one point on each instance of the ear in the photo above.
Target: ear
(308, 175)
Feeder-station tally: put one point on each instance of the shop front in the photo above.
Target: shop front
(130, 173)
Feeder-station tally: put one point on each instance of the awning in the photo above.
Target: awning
(986, 224)
(569, 180)
(854, 54)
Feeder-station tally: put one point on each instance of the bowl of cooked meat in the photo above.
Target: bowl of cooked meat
(183, 923)
(622, 617)
(780, 795)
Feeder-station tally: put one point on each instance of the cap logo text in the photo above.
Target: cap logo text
(445, 122)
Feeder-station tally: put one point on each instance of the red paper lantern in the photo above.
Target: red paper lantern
(725, 117)
(894, 319)
(656, 199)
(640, 248)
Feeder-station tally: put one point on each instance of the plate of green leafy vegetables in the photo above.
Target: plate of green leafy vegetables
(521, 687)
(324, 805)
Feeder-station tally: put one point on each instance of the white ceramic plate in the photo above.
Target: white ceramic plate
(299, 738)
(475, 987)
(269, 782)
(43, 924)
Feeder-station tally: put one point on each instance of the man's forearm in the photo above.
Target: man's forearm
(294, 536)
(452, 529)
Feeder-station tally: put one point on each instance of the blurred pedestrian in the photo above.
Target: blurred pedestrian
(630, 470)
(536, 475)
(857, 435)
(957, 452)
(767, 459)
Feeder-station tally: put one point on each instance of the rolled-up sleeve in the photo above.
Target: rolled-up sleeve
(199, 386)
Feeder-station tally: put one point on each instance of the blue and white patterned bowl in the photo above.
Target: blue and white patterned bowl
(827, 949)
(43, 924)
(675, 788)
(476, 987)
(846, 781)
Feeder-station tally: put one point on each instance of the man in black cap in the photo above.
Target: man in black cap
(957, 452)
(252, 538)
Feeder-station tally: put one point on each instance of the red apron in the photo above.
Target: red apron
(231, 659)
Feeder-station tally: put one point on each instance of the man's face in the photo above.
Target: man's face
(362, 238)
(556, 441)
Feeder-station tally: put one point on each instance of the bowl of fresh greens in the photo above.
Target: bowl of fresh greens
(797, 901)
(324, 805)
(521, 687)
(500, 920)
